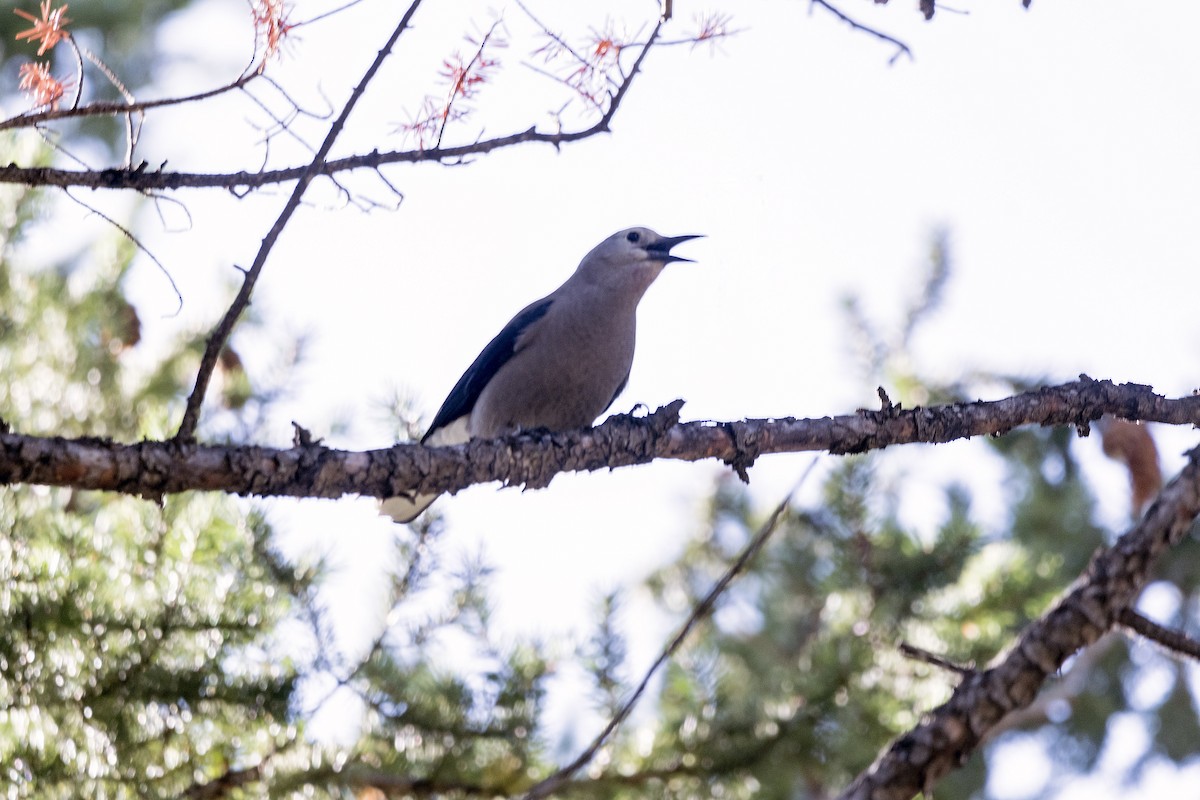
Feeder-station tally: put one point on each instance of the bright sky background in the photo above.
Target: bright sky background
(1060, 146)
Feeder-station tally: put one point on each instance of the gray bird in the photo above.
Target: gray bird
(561, 361)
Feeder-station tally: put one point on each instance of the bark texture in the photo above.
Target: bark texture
(533, 459)
(1094, 605)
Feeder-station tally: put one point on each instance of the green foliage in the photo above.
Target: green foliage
(797, 681)
(156, 647)
(136, 638)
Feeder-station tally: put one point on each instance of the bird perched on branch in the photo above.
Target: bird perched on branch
(561, 361)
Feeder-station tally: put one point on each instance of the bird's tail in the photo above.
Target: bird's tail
(405, 509)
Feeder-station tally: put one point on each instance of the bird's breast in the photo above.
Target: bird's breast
(563, 375)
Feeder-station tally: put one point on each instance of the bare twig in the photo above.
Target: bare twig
(132, 131)
(901, 47)
(325, 14)
(108, 109)
(220, 334)
(1173, 640)
(70, 40)
(460, 88)
(702, 609)
(921, 654)
(128, 234)
(557, 39)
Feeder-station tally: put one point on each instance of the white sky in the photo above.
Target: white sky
(1059, 145)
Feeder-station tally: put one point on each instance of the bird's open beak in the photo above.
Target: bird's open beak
(663, 247)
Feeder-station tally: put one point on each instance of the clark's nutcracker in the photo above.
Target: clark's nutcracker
(561, 361)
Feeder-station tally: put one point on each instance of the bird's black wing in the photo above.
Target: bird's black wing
(499, 350)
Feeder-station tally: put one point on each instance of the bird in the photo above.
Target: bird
(561, 361)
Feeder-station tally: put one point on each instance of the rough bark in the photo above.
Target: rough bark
(533, 459)
(1095, 604)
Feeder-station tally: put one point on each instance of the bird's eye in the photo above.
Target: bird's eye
(633, 236)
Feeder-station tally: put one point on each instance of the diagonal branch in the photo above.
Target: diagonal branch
(901, 48)
(702, 610)
(533, 459)
(220, 334)
(1170, 639)
(917, 760)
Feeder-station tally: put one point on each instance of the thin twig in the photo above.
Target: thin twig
(132, 132)
(220, 334)
(901, 47)
(921, 654)
(128, 234)
(70, 40)
(1174, 640)
(554, 37)
(619, 95)
(109, 108)
(702, 610)
(457, 90)
(331, 12)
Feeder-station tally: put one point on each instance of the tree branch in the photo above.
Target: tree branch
(220, 335)
(533, 459)
(140, 179)
(143, 180)
(1174, 641)
(946, 736)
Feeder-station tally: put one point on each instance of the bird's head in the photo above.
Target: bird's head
(631, 259)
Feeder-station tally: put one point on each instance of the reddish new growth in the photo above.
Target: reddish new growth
(271, 23)
(47, 29)
(712, 27)
(593, 77)
(605, 49)
(464, 79)
(44, 88)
